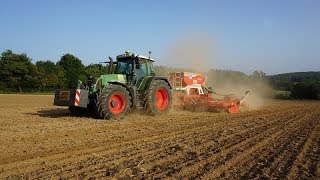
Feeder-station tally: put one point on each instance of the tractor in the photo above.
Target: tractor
(130, 83)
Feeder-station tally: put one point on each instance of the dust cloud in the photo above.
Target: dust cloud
(260, 91)
(198, 53)
(192, 52)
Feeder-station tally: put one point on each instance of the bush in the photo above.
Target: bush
(303, 90)
(281, 94)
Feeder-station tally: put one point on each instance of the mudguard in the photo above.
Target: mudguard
(151, 79)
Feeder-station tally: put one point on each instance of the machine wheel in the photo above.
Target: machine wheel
(158, 98)
(114, 102)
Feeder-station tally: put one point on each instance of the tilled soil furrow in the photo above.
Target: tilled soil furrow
(237, 157)
(285, 160)
(176, 158)
(61, 159)
(57, 166)
(259, 164)
(317, 165)
(210, 156)
(156, 147)
(112, 153)
(224, 143)
(127, 145)
(279, 140)
(241, 155)
(305, 165)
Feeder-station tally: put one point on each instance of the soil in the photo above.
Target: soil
(279, 140)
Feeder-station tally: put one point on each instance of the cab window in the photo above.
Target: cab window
(143, 68)
(124, 67)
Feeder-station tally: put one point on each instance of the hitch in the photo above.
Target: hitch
(247, 93)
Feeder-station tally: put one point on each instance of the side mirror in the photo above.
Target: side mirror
(110, 65)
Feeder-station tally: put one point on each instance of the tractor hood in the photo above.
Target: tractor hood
(113, 78)
(103, 80)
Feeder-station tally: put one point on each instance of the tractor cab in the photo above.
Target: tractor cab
(134, 67)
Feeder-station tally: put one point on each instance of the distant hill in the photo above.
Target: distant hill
(302, 85)
(313, 76)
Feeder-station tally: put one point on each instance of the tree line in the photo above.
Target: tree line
(301, 85)
(19, 74)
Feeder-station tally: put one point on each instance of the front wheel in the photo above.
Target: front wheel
(114, 102)
(158, 98)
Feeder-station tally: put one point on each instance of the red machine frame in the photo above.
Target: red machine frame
(191, 93)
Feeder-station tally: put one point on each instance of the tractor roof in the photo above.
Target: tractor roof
(144, 57)
(127, 56)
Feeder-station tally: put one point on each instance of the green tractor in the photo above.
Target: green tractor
(130, 83)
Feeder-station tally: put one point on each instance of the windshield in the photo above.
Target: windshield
(124, 67)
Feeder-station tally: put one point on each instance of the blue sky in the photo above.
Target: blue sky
(268, 35)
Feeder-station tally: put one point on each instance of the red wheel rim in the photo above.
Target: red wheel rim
(162, 98)
(117, 103)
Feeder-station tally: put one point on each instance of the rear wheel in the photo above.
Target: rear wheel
(158, 98)
(114, 102)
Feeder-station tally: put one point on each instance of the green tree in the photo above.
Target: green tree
(258, 74)
(73, 69)
(304, 90)
(287, 80)
(17, 71)
(95, 70)
(50, 75)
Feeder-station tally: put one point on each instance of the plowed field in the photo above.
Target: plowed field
(279, 140)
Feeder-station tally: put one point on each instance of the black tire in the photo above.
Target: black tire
(114, 102)
(151, 100)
